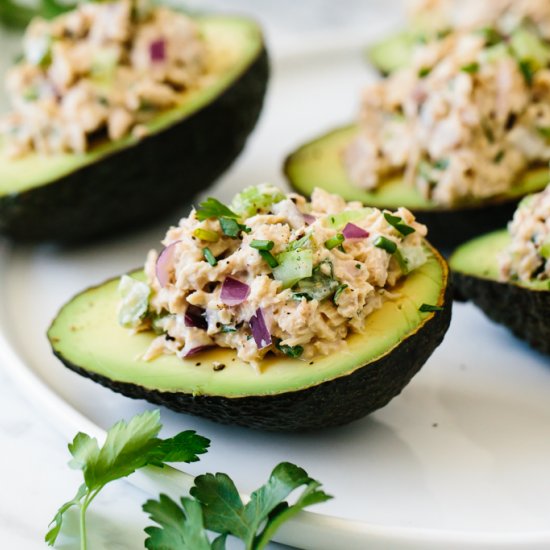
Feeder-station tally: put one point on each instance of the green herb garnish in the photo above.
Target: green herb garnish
(441, 164)
(217, 506)
(213, 208)
(129, 446)
(397, 222)
(385, 244)
(490, 35)
(424, 72)
(499, 156)
(427, 308)
(339, 291)
(291, 351)
(526, 70)
(335, 241)
(230, 227)
(268, 258)
(227, 329)
(470, 68)
(544, 131)
(209, 257)
(262, 245)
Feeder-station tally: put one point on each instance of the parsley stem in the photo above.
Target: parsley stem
(83, 537)
(83, 509)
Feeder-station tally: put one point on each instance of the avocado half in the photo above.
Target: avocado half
(522, 307)
(288, 394)
(125, 183)
(319, 164)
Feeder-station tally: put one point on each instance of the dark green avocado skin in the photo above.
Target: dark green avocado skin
(147, 180)
(525, 312)
(332, 403)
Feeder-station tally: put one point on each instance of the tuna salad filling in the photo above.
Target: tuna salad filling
(463, 122)
(272, 273)
(528, 256)
(100, 71)
(506, 15)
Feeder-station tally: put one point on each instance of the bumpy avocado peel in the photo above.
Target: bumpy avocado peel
(147, 178)
(522, 308)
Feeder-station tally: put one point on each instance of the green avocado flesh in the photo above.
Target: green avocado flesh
(232, 42)
(287, 393)
(520, 306)
(479, 258)
(125, 183)
(394, 52)
(319, 164)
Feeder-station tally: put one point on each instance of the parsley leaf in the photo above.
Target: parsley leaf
(428, 308)
(256, 522)
(217, 506)
(128, 447)
(180, 527)
(397, 222)
(213, 208)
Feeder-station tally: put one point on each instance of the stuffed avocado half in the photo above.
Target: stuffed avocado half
(172, 154)
(435, 20)
(506, 273)
(292, 316)
(320, 163)
(458, 135)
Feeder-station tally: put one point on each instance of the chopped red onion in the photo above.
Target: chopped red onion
(194, 351)
(234, 292)
(194, 317)
(309, 219)
(352, 231)
(259, 329)
(165, 263)
(157, 50)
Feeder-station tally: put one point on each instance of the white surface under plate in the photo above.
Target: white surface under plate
(459, 460)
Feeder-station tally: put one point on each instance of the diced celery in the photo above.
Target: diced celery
(104, 63)
(527, 46)
(206, 235)
(294, 265)
(135, 301)
(337, 221)
(410, 257)
(545, 249)
(495, 53)
(258, 198)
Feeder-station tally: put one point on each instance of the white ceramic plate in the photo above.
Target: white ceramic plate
(459, 460)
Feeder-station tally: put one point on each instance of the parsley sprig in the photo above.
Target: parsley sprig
(214, 505)
(217, 506)
(129, 446)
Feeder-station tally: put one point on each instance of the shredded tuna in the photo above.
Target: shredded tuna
(100, 71)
